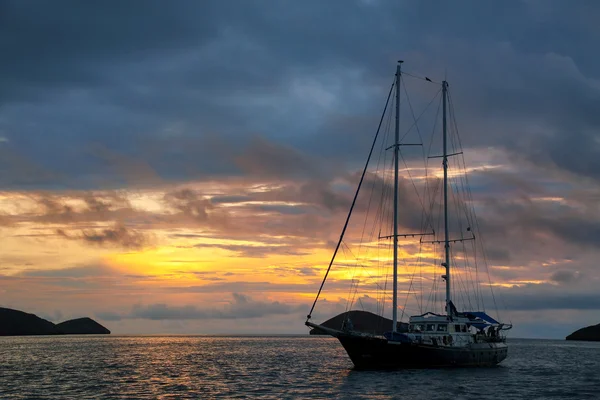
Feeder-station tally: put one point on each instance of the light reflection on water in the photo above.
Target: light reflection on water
(149, 367)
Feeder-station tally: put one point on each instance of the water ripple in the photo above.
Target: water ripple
(192, 367)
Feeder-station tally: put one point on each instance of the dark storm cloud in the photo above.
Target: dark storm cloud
(565, 276)
(151, 83)
(542, 220)
(265, 159)
(69, 43)
(166, 63)
(545, 297)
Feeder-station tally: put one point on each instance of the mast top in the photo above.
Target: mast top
(400, 61)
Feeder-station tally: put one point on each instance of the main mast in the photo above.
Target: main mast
(396, 150)
(446, 241)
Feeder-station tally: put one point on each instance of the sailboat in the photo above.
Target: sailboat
(450, 338)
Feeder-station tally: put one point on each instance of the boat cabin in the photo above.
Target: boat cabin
(443, 327)
(431, 323)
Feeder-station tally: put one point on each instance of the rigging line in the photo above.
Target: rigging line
(353, 203)
(433, 265)
(384, 171)
(457, 148)
(415, 124)
(379, 218)
(433, 130)
(421, 78)
(468, 271)
(413, 112)
(440, 203)
(469, 211)
(355, 281)
(364, 228)
(361, 304)
(408, 292)
(423, 224)
(349, 300)
(384, 291)
(381, 210)
(352, 295)
(431, 196)
(412, 181)
(375, 181)
(420, 115)
(457, 280)
(421, 276)
(457, 204)
(382, 309)
(410, 286)
(469, 277)
(425, 159)
(464, 203)
(474, 214)
(477, 227)
(385, 199)
(479, 297)
(463, 285)
(362, 266)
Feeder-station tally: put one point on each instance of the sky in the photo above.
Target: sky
(185, 167)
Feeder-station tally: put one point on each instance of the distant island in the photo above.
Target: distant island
(589, 333)
(18, 323)
(362, 321)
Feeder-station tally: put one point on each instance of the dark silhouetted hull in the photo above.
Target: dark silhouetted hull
(373, 352)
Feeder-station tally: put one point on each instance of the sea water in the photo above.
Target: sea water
(200, 367)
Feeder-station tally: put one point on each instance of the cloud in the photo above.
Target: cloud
(533, 298)
(80, 208)
(189, 203)
(128, 170)
(119, 235)
(109, 104)
(565, 276)
(85, 271)
(17, 168)
(246, 287)
(240, 307)
(264, 158)
(257, 251)
(286, 270)
(108, 316)
(150, 101)
(5, 220)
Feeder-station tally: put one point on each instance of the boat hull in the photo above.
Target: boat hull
(375, 353)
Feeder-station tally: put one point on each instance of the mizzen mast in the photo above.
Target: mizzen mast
(396, 155)
(446, 263)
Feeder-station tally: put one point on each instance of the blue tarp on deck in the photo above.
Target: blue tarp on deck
(483, 316)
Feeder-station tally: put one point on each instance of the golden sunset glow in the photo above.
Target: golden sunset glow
(196, 177)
